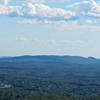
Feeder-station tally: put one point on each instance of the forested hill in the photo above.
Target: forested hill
(47, 58)
(49, 78)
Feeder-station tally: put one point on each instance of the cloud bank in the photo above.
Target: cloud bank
(84, 12)
(37, 11)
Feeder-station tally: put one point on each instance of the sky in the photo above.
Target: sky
(50, 27)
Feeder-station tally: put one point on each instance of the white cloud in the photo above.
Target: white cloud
(73, 42)
(89, 21)
(4, 2)
(88, 8)
(42, 1)
(22, 39)
(52, 41)
(34, 11)
(12, 11)
(39, 12)
(28, 21)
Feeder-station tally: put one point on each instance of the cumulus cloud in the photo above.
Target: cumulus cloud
(35, 11)
(11, 11)
(89, 8)
(43, 12)
(38, 12)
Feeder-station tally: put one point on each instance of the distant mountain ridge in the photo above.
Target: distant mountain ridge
(4, 56)
(52, 58)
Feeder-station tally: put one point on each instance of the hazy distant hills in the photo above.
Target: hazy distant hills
(4, 56)
(47, 58)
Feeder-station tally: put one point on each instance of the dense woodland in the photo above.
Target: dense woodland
(49, 78)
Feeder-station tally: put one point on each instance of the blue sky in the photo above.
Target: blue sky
(44, 27)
